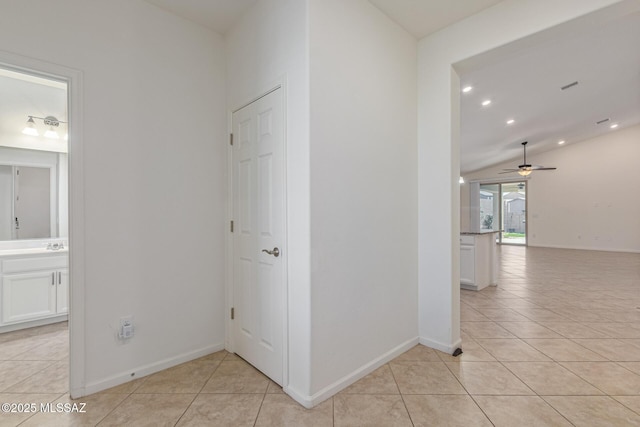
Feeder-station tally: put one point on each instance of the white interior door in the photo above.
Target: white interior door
(259, 226)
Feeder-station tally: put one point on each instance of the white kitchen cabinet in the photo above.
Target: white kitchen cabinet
(33, 288)
(478, 260)
(467, 264)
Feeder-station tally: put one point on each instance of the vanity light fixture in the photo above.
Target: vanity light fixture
(561, 142)
(485, 103)
(50, 121)
(510, 121)
(467, 89)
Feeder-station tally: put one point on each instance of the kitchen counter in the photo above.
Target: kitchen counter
(479, 233)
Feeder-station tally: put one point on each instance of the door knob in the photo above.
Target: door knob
(275, 252)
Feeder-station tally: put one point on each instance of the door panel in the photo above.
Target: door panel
(258, 206)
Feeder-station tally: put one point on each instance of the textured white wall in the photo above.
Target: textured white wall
(363, 189)
(590, 202)
(154, 160)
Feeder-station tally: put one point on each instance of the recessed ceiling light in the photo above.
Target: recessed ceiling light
(613, 126)
(485, 103)
(510, 121)
(561, 142)
(467, 89)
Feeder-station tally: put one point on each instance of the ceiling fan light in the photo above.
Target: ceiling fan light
(30, 128)
(525, 172)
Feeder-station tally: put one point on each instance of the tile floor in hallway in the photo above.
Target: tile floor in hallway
(557, 343)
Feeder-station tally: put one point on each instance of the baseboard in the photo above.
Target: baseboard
(33, 323)
(585, 248)
(347, 380)
(302, 399)
(143, 371)
(446, 348)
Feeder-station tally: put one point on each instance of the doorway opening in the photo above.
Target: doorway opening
(503, 207)
(36, 320)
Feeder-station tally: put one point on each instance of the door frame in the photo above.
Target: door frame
(280, 84)
(74, 80)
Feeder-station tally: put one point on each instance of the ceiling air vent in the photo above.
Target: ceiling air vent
(602, 121)
(565, 87)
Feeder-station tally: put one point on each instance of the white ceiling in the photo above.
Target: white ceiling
(525, 86)
(419, 17)
(423, 17)
(217, 15)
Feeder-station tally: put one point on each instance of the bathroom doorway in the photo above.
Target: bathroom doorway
(38, 132)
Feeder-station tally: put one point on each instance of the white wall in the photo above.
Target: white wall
(438, 146)
(154, 160)
(363, 191)
(268, 47)
(589, 202)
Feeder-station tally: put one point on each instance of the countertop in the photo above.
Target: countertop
(479, 233)
(5, 253)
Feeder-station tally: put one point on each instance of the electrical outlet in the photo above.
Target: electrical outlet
(126, 328)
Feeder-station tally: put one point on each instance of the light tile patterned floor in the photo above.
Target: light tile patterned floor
(557, 343)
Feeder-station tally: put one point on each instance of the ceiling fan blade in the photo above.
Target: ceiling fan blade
(508, 171)
(542, 168)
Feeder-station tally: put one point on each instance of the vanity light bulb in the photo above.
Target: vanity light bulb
(51, 133)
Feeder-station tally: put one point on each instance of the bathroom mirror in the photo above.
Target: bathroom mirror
(29, 194)
(25, 197)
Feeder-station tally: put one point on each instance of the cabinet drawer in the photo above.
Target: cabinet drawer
(467, 240)
(31, 264)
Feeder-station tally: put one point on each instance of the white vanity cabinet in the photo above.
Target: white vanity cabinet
(34, 287)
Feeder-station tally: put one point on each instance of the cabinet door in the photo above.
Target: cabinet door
(467, 265)
(62, 298)
(28, 296)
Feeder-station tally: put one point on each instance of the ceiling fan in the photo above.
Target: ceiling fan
(525, 169)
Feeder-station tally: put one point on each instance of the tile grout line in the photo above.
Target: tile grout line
(401, 395)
